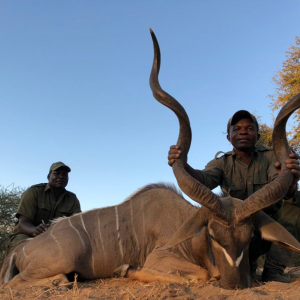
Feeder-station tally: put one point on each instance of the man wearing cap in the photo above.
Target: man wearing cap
(43, 202)
(243, 171)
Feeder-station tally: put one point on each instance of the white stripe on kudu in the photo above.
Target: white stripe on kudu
(118, 231)
(56, 241)
(76, 232)
(100, 235)
(23, 249)
(133, 227)
(83, 225)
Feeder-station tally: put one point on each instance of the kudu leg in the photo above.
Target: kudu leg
(177, 275)
(17, 281)
(148, 275)
(163, 266)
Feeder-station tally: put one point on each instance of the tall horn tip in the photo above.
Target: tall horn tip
(153, 36)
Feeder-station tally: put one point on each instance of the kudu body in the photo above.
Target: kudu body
(95, 243)
(157, 229)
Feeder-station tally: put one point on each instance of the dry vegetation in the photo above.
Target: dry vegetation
(128, 289)
(9, 200)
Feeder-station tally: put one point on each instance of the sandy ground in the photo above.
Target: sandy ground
(123, 288)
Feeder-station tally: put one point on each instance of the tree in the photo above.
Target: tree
(265, 134)
(9, 201)
(288, 85)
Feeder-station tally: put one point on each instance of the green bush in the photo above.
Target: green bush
(9, 201)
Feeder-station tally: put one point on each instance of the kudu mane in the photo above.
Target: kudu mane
(159, 185)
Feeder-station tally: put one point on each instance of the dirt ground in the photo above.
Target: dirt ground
(122, 288)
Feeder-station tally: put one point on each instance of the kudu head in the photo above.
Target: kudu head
(229, 222)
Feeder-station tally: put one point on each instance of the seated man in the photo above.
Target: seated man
(43, 202)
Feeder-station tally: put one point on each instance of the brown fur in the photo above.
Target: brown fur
(145, 221)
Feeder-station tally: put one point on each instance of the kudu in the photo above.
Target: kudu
(156, 228)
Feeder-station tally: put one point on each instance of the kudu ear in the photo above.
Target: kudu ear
(189, 229)
(272, 231)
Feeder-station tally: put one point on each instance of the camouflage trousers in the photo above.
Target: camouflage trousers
(277, 258)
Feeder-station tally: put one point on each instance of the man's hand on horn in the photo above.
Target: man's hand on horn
(293, 164)
(174, 153)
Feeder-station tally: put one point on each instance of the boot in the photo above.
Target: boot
(276, 261)
(274, 275)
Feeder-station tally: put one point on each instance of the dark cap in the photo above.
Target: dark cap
(57, 165)
(241, 114)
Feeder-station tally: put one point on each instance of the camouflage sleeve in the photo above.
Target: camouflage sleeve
(28, 204)
(213, 173)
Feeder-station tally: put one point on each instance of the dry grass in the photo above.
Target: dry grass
(125, 289)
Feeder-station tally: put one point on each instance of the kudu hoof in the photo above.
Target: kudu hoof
(55, 282)
(122, 271)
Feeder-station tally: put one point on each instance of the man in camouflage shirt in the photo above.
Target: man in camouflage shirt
(42, 203)
(243, 171)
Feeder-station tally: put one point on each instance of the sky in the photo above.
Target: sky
(74, 85)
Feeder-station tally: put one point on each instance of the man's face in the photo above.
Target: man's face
(59, 178)
(243, 135)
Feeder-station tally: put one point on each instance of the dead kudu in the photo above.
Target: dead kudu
(157, 229)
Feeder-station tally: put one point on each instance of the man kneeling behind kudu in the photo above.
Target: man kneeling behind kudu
(243, 171)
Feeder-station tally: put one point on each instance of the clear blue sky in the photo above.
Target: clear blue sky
(74, 85)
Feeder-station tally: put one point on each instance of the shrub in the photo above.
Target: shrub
(9, 201)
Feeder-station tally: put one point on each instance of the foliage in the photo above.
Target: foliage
(266, 137)
(265, 134)
(9, 200)
(287, 81)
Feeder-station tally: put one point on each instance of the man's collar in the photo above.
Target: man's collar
(233, 153)
(255, 150)
(48, 187)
